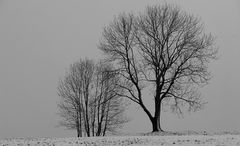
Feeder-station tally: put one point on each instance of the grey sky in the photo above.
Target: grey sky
(40, 38)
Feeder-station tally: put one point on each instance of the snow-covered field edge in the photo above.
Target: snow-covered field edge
(186, 140)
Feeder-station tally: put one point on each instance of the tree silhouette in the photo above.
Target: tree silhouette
(89, 99)
(163, 49)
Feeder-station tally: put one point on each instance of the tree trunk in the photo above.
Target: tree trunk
(154, 125)
(80, 124)
(99, 129)
(156, 121)
(78, 132)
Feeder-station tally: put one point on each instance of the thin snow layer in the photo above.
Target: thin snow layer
(191, 140)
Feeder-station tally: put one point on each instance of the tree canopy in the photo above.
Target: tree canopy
(165, 49)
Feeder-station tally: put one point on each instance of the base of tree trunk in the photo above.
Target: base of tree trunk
(156, 126)
(158, 130)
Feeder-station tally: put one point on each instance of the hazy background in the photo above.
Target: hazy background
(40, 38)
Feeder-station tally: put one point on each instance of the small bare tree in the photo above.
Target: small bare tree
(89, 99)
(108, 105)
(164, 49)
(74, 93)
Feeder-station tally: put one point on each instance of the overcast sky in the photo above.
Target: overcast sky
(40, 38)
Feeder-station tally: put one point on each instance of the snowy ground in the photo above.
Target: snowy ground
(184, 140)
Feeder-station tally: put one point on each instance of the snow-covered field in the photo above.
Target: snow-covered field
(187, 140)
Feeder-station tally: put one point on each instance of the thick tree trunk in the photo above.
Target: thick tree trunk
(156, 122)
(156, 125)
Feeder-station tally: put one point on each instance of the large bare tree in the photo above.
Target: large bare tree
(163, 49)
(89, 101)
